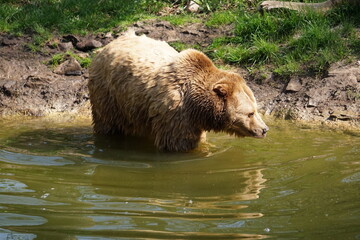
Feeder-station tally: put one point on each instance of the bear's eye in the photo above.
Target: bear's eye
(251, 114)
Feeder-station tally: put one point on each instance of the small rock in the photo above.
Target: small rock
(83, 55)
(164, 24)
(343, 115)
(65, 46)
(352, 79)
(311, 103)
(8, 42)
(294, 85)
(8, 84)
(172, 36)
(69, 67)
(88, 45)
(108, 35)
(139, 24)
(71, 38)
(105, 37)
(139, 32)
(193, 7)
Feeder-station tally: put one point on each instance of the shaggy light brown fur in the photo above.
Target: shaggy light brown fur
(143, 87)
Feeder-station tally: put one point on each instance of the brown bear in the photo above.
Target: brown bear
(143, 87)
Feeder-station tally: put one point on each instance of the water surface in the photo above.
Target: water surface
(59, 181)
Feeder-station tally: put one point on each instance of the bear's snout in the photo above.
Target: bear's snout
(260, 132)
(265, 130)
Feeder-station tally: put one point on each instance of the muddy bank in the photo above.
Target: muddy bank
(29, 86)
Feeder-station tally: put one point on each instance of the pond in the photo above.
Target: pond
(59, 181)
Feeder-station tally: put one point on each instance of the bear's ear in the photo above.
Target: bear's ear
(220, 90)
(196, 59)
(223, 89)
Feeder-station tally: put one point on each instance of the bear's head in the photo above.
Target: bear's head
(222, 100)
(239, 106)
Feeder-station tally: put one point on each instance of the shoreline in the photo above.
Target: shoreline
(67, 119)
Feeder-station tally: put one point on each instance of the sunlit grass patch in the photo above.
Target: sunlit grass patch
(230, 53)
(59, 58)
(287, 67)
(180, 46)
(317, 46)
(217, 19)
(261, 52)
(67, 16)
(181, 19)
(289, 42)
(273, 27)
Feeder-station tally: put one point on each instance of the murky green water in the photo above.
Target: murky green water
(57, 181)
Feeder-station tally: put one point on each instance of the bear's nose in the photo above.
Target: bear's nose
(265, 130)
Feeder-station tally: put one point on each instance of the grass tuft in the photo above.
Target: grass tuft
(218, 19)
(59, 58)
(290, 42)
(181, 19)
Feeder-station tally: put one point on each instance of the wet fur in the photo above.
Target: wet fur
(143, 87)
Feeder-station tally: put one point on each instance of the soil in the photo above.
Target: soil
(30, 86)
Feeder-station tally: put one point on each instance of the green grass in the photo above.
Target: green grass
(59, 58)
(179, 46)
(71, 16)
(289, 42)
(181, 19)
(220, 18)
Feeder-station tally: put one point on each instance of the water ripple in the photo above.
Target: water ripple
(13, 219)
(27, 159)
(9, 185)
(352, 178)
(21, 200)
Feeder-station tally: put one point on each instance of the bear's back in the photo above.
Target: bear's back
(130, 85)
(141, 49)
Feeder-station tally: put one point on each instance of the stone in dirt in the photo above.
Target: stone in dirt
(8, 42)
(70, 67)
(7, 87)
(193, 7)
(88, 45)
(105, 37)
(83, 55)
(65, 46)
(294, 85)
(311, 103)
(71, 38)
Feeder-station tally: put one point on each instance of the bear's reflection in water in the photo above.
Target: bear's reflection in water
(189, 172)
(140, 148)
(122, 183)
(124, 143)
(170, 189)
